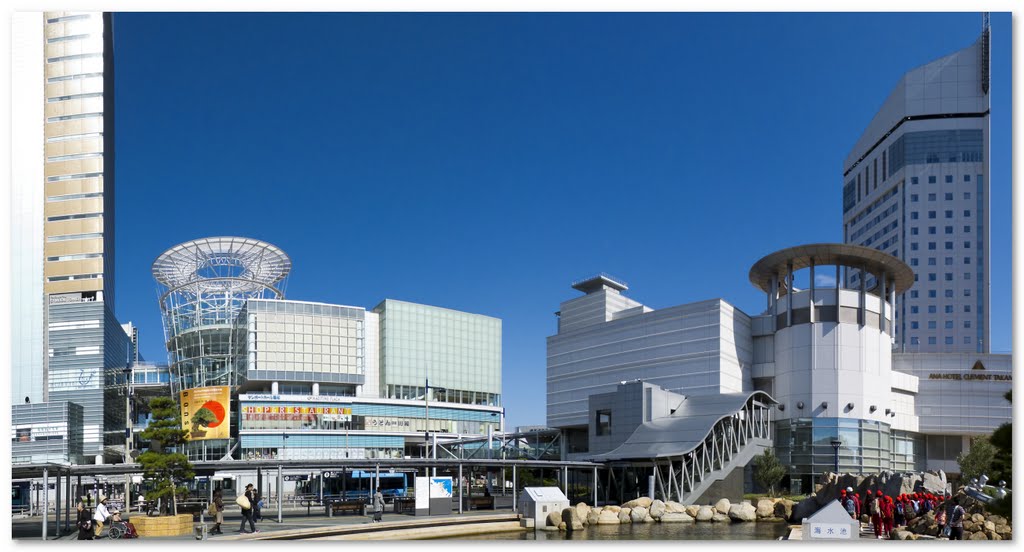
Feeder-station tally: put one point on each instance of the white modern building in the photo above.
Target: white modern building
(916, 185)
(667, 388)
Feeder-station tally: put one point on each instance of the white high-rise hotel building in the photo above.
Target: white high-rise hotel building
(916, 186)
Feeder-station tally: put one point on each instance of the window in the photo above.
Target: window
(949, 245)
(63, 78)
(913, 246)
(915, 340)
(949, 261)
(913, 215)
(74, 196)
(913, 198)
(931, 261)
(604, 422)
(931, 324)
(72, 57)
(913, 309)
(949, 340)
(913, 294)
(967, 229)
(931, 230)
(949, 179)
(967, 245)
(913, 231)
(949, 196)
(74, 237)
(967, 260)
(931, 341)
(931, 214)
(74, 157)
(913, 261)
(949, 293)
(932, 309)
(949, 276)
(949, 229)
(932, 276)
(949, 309)
(913, 180)
(967, 213)
(72, 117)
(74, 217)
(967, 292)
(931, 180)
(949, 324)
(913, 325)
(949, 214)
(931, 294)
(967, 178)
(967, 308)
(66, 38)
(967, 195)
(931, 197)
(931, 246)
(967, 324)
(68, 18)
(967, 340)
(967, 275)
(86, 96)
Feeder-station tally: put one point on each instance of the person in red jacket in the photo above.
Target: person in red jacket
(856, 500)
(875, 510)
(888, 510)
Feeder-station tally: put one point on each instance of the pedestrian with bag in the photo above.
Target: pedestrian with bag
(940, 520)
(257, 505)
(84, 522)
(99, 516)
(888, 513)
(245, 502)
(217, 511)
(875, 511)
(378, 506)
(956, 520)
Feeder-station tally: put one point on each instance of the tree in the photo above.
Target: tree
(1002, 440)
(768, 471)
(977, 460)
(162, 465)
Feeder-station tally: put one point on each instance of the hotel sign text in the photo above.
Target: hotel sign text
(972, 377)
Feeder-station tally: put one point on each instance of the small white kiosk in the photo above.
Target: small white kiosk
(538, 502)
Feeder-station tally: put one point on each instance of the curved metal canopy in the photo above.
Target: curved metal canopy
(228, 262)
(855, 256)
(684, 430)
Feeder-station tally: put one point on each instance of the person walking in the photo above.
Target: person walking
(956, 520)
(84, 522)
(888, 512)
(940, 520)
(875, 510)
(99, 516)
(217, 507)
(257, 505)
(378, 506)
(245, 502)
(897, 518)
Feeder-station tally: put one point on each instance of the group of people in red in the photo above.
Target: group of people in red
(887, 513)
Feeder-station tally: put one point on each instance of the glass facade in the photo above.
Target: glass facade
(298, 341)
(804, 446)
(936, 146)
(459, 352)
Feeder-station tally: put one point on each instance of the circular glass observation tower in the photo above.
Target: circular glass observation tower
(204, 285)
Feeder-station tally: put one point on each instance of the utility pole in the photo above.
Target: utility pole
(128, 426)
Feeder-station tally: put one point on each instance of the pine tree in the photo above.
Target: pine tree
(978, 460)
(768, 471)
(162, 464)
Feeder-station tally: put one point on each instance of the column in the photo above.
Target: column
(789, 294)
(811, 305)
(862, 310)
(839, 285)
(46, 499)
(892, 304)
(773, 295)
(881, 303)
(280, 493)
(460, 488)
(514, 487)
(595, 486)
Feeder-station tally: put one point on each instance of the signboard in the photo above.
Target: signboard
(830, 531)
(972, 377)
(204, 413)
(296, 477)
(440, 487)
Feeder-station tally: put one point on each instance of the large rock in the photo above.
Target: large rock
(691, 510)
(642, 502)
(903, 535)
(675, 517)
(613, 508)
(637, 514)
(593, 516)
(705, 513)
(723, 506)
(933, 481)
(561, 526)
(784, 508)
(804, 509)
(998, 520)
(624, 515)
(582, 511)
(657, 509)
(978, 518)
(977, 535)
(554, 518)
(765, 508)
(571, 519)
(608, 517)
(674, 507)
(743, 512)
(718, 518)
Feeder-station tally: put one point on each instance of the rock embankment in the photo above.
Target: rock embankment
(645, 510)
(978, 523)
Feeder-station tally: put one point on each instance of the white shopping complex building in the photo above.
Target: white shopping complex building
(696, 390)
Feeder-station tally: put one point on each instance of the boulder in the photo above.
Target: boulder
(582, 511)
(803, 509)
(784, 508)
(571, 519)
(765, 508)
(649, 519)
(657, 509)
(977, 535)
(624, 515)
(561, 526)
(642, 502)
(978, 518)
(1003, 530)
(613, 508)
(638, 514)
(554, 518)
(705, 513)
(903, 535)
(990, 526)
(743, 512)
(718, 518)
(723, 506)
(608, 517)
(691, 510)
(675, 517)
(969, 526)
(933, 481)
(674, 507)
(998, 520)
(549, 528)
(593, 516)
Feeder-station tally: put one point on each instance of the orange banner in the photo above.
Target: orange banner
(205, 413)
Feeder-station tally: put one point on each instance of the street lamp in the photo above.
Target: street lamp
(836, 443)
(127, 425)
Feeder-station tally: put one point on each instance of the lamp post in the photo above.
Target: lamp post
(836, 443)
(128, 426)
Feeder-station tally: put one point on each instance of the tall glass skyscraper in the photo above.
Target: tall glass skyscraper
(916, 186)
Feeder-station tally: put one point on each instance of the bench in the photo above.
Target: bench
(404, 503)
(479, 502)
(357, 506)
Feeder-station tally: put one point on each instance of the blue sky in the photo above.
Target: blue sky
(482, 162)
